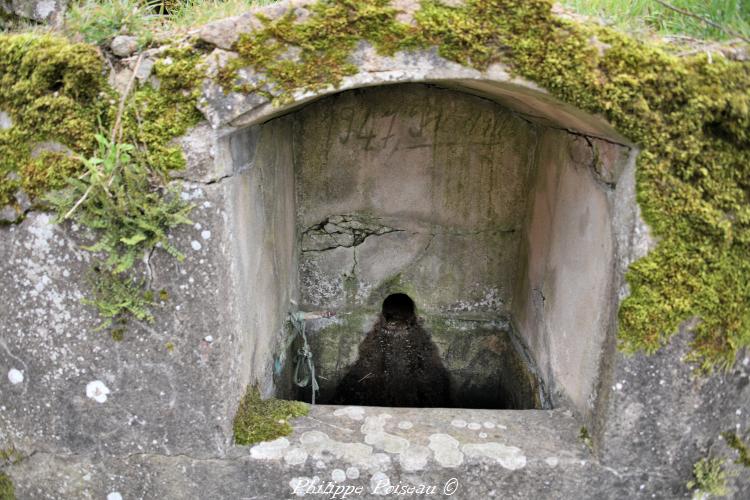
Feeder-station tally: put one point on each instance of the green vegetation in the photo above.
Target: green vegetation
(7, 490)
(734, 441)
(585, 437)
(55, 92)
(99, 21)
(10, 455)
(648, 16)
(709, 478)
(264, 420)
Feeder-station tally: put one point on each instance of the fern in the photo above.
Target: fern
(131, 210)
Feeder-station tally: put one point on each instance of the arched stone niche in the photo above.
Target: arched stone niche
(510, 216)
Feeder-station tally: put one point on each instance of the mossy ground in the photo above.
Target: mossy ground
(264, 420)
(690, 116)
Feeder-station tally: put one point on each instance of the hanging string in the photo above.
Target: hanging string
(304, 371)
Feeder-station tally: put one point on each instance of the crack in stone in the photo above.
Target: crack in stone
(594, 166)
(342, 231)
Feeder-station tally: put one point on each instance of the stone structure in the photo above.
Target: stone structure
(505, 214)
(41, 11)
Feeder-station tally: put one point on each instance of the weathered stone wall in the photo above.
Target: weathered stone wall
(567, 296)
(263, 243)
(42, 11)
(420, 190)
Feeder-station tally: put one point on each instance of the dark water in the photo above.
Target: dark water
(398, 365)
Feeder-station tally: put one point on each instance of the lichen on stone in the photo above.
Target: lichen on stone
(264, 419)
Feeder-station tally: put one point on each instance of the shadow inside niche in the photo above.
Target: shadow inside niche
(398, 363)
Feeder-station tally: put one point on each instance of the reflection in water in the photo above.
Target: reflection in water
(398, 364)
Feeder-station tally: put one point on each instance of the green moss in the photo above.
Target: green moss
(53, 90)
(585, 437)
(325, 41)
(118, 334)
(159, 112)
(7, 490)
(10, 455)
(709, 477)
(734, 441)
(690, 116)
(264, 420)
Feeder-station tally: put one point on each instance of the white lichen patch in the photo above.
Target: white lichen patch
(196, 245)
(474, 426)
(353, 412)
(405, 425)
(352, 472)
(115, 495)
(43, 10)
(446, 450)
(206, 234)
(338, 475)
(414, 458)
(15, 376)
(295, 456)
(97, 391)
(321, 447)
(270, 450)
(374, 432)
(552, 461)
(458, 423)
(509, 457)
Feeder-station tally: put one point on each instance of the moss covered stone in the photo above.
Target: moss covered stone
(263, 420)
(690, 116)
(52, 90)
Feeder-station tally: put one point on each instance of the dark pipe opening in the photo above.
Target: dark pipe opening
(398, 307)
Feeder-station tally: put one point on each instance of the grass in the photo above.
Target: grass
(648, 16)
(98, 22)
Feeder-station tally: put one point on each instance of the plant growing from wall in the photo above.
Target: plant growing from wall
(131, 209)
(116, 185)
(709, 478)
(742, 449)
